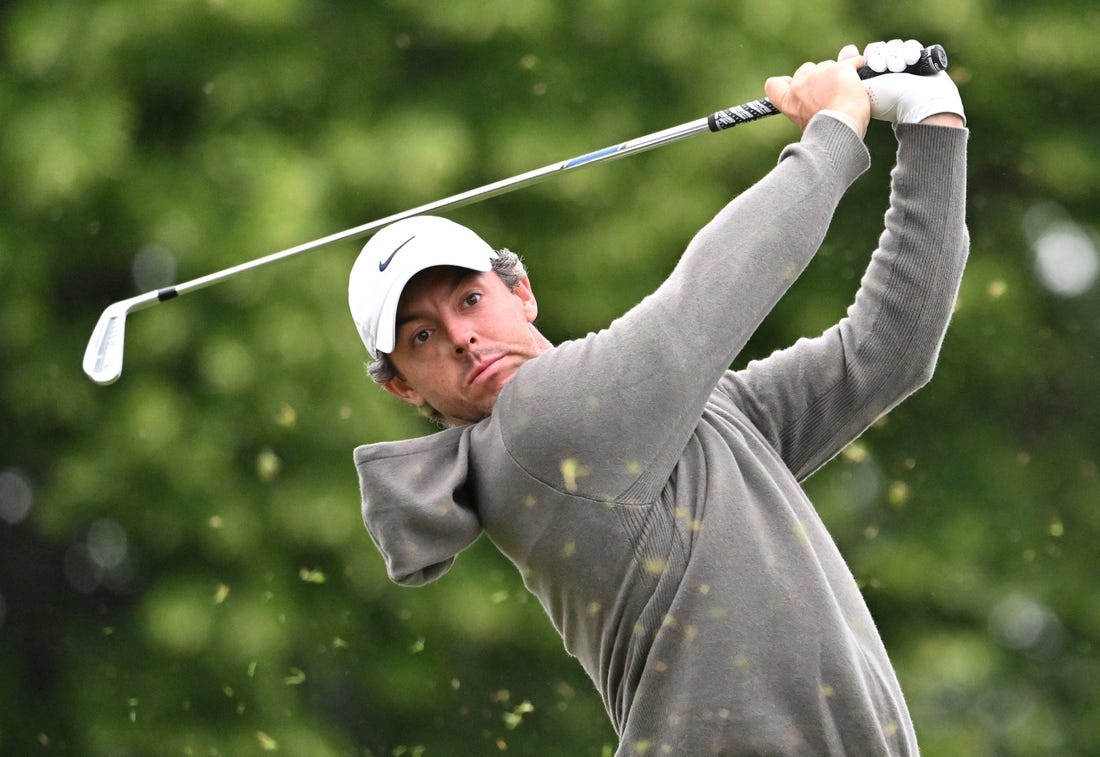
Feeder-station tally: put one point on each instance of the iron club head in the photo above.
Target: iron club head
(103, 356)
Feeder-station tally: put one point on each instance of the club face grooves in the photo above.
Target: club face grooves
(103, 356)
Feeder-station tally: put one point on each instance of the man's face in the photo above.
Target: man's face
(461, 336)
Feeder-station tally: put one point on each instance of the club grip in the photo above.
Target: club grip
(933, 59)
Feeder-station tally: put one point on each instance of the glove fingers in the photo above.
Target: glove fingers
(913, 49)
(875, 56)
(895, 56)
(892, 56)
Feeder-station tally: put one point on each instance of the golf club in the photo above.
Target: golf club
(103, 356)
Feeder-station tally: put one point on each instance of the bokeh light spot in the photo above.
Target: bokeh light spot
(1065, 257)
(153, 267)
(16, 496)
(107, 544)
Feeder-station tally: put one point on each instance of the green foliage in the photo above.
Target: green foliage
(183, 569)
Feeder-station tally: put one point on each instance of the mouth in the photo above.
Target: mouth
(483, 369)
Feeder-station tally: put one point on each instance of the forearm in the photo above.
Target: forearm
(741, 263)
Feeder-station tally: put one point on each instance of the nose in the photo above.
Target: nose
(462, 347)
(461, 335)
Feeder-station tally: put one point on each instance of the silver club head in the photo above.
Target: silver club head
(103, 355)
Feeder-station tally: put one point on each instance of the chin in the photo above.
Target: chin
(468, 415)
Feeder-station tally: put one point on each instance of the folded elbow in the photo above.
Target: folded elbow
(921, 372)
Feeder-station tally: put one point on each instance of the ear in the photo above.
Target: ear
(527, 297)
(400, 388)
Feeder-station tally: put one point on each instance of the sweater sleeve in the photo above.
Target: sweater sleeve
(813, 398)
(608, 416)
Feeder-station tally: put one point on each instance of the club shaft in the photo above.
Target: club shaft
(752, 111)
(103, 355)
(932, 59)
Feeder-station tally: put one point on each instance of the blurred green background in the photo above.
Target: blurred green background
(183, 568)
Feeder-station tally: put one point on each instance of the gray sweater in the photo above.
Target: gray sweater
(649, 495)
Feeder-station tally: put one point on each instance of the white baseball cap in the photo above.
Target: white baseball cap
(392, 257)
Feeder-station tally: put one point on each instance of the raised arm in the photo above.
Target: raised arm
(622, 403)
(812, 399)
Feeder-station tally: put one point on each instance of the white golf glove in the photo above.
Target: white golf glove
(904, 98)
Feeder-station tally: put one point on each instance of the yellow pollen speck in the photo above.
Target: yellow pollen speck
(996, 289)
(287, 416)
(800, 533)
(593, 608)
(898, 494)
(654, 565)
(697, 525)
(530, 500)
(1056, 527)
(740, 661)
(660, 666)
(689, 634)
(719, 612)
(827, 691)
(569, 549)
(704, 589)
(639, 629)
(634, 467)
(856, 452)
(669, 621)
(312, 576)
(642, 747)
(221, 593)
(571, 470)
(891, 729)
(681, 512)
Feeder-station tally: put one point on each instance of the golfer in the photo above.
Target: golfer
(649, 495)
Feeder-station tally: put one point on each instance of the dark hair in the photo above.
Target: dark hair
(509, 267)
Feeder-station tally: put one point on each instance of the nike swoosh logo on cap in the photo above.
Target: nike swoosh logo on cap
(384, 264)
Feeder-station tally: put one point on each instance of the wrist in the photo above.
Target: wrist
(846, 118)
(944, 119)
